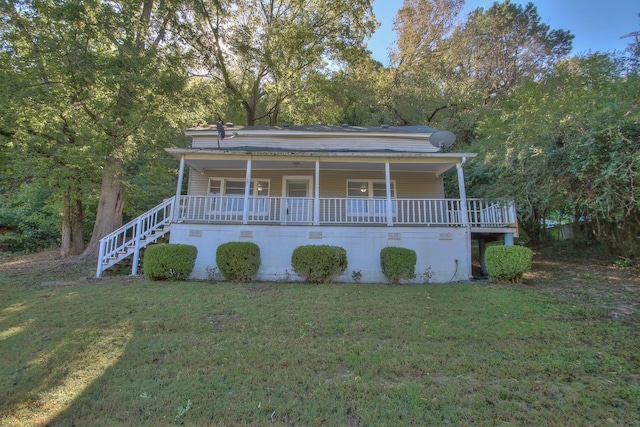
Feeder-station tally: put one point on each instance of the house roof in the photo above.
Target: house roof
(405, 147)
(230, 127)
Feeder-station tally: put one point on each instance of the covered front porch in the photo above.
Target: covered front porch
(379, 188)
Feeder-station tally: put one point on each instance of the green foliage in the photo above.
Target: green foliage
(276, 54)
(446, 69)
(319, 263)
(398, 263)
(100, 90)
(11, 242)
(238, 261)
(566, 144)
(27, 210)
(508, 263)
(169, 261)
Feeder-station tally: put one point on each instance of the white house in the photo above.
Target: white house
(360, 188)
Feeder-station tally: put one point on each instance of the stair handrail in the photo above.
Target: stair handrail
(118, 240)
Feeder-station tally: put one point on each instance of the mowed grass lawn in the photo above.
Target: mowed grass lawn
(131, 352)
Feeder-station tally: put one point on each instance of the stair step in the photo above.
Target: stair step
(123, 255)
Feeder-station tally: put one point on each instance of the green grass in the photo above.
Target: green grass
(133, 352)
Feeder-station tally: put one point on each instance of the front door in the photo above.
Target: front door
(297, 205)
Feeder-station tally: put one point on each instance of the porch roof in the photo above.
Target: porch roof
(202, 159)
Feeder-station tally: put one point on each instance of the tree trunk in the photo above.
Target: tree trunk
(72, 236)
(110, 205)
(65, 236)
(77, 224)
(250, 113)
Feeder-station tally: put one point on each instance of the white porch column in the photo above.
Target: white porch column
(464, 212)
(247, 192)
(316, 201)
(387, 183)
(463, 193)
(176, 202)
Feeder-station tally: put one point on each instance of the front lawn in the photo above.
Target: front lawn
(124, 351)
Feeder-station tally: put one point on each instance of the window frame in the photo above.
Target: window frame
(368, 204)
(223, 202)
(254, 187)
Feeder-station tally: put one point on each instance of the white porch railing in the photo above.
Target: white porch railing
(150, 226)
(491, 214)
(130, 238)
(351, 211)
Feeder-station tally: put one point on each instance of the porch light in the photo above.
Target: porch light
(363, 189)
(259, 186)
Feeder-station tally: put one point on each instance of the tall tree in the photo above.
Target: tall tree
(419, 85)
(445, 70)
(102, 70)
(503, 45)
(265, 52)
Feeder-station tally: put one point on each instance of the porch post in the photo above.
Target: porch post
(464, 212)
(247, 191)
(508, 239)
(463, 193)
(482, 248)
(176, 202)
(387, 183)
(136, 247)
(316, 201)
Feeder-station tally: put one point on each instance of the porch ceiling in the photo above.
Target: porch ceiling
(203, 160)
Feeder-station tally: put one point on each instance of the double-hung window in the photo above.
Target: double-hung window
(368, 196)
(229, 194)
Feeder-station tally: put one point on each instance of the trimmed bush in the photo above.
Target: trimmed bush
(398, 263)
(238, 261)
(319, 263)
(508, 263)
(169, 261)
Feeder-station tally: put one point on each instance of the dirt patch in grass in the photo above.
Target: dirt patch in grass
(587, 279)
(15, 263)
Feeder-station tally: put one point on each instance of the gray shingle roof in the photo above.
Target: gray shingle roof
(323, 128)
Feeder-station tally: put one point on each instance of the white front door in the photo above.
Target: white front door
(297, 205)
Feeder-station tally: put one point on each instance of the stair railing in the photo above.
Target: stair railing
(114, 247)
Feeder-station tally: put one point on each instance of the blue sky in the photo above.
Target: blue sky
(596, 24)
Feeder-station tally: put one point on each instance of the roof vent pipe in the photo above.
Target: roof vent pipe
(344, 125)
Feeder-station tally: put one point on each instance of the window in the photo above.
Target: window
(234, 189)
(369, 188)
(370, 196)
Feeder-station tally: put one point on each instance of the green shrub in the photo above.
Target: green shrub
(319, 263)
(398, 263)
(508, 263)
(11, 242)
(169, 261)
(238, 261)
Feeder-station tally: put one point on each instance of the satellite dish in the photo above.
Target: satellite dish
(442, 139)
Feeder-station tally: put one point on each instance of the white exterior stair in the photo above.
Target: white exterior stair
(128, 240)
